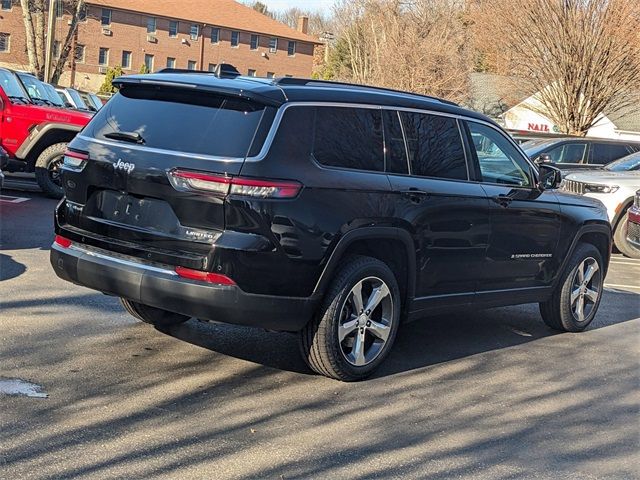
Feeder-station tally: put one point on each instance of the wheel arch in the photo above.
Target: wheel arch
(620, 213)
(376, 242)
(42, 137)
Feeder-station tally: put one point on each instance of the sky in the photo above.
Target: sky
(315, 5)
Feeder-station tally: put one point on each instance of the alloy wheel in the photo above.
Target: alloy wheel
(586, 289)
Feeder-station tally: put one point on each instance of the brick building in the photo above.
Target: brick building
(190, 34)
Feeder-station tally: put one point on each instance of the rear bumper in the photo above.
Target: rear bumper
(163, 288)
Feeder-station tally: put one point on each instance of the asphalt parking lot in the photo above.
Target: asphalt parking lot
(492, 394)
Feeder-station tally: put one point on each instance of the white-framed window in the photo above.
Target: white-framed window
(152, 25)
(191, 65)
(194, 31)
(251, 72)
(273, 44)
(5, 42)
(148, 62)
(212, 67)
(173, 28)
(103, 56)
(291, 48)
(171, 62)
(105, 18)
(271, 75)
(235, 38)
(255, 42)
(215, 35)
(126, 59)
(79, 53)
(6, 4)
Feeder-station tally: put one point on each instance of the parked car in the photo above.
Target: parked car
(35, 136)
(615, 186)
(633, 225)
(335, 211)
(583, 153)
(92, 101)
(72, 97)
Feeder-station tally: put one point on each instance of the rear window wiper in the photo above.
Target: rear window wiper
(132, 137)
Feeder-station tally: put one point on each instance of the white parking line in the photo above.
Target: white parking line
(9, 199)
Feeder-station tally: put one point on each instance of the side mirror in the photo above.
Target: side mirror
(549, 177)
(543, 158)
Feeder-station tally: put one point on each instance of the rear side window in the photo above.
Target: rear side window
(349, 138)
(435, 146)
(603, 153)
(567, 153)
(180, 120)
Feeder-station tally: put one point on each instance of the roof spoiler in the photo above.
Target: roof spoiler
(222, 70)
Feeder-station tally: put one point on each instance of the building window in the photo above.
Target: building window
(215, 35)
(173, 28)
(271, 75)
(235, 39)
(103, 56)
(291, 48)
(255, 41)
(82, 15)
(79, 53)
(171, 62)
(194, 31)
(148, 62)
(105, 19)
(212, 67)
(56, 48)
(251, 72)
(59, 8)
(5, 40)
(7, 4)
(273, 44)
(126, 59)
(151, 25)
(191, 65)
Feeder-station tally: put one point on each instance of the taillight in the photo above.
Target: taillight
(204, 276)
(75, 160)
(62, 241)
(228, 185)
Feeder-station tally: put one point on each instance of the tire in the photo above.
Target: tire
(155, 316)
(560, 312)
(48, 170)
(620, 239)
(367, 339)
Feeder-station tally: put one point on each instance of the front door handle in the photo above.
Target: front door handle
(502, 200)
(415, 194)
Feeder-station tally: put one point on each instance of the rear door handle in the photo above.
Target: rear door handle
(502, 200)
(415, 194)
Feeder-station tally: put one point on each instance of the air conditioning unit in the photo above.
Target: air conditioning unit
(102, 70)
(152, 39)
(107, 31)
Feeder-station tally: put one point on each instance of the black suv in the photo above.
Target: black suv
(331, 210)
(578, 153)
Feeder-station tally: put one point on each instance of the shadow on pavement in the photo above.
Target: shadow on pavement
(9, 268)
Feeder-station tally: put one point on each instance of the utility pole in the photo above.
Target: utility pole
(51, 33)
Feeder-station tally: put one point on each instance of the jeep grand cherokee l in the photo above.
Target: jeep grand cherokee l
(331, 210)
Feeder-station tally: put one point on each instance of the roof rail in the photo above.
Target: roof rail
(225, 70)
(295, 81)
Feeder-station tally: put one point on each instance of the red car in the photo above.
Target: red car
(35, 136)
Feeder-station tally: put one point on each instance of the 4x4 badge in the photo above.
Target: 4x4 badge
(126, 166)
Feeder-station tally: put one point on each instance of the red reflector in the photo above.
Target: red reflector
(634, 216)
(63, 242)
(204, 276)
(78, 155)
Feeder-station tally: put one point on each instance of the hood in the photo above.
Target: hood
(605, 177)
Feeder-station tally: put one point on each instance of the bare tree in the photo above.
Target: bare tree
(581, 56)
(34, 16)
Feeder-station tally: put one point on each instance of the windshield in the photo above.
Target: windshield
(625, 164)
(52, 95)
(34, 87)
(11, 86)
(77, 99)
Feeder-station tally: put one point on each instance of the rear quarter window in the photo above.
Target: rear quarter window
(183, 121)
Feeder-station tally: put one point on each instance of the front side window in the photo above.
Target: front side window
(103, 56)
(567, 153)
(235, 38)
(173, 28)
(105, 18)
(215, 35)
(603, 153)
(435, 147)
(499, 161)
(349, 138)
(273, 44)
(5, 42)
(291, 48)
(195, 31)
(126, 59)
(151, 25)
(254, 42)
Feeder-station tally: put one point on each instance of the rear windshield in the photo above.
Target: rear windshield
(182, 120)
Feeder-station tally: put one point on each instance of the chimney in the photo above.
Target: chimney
(303, 24)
